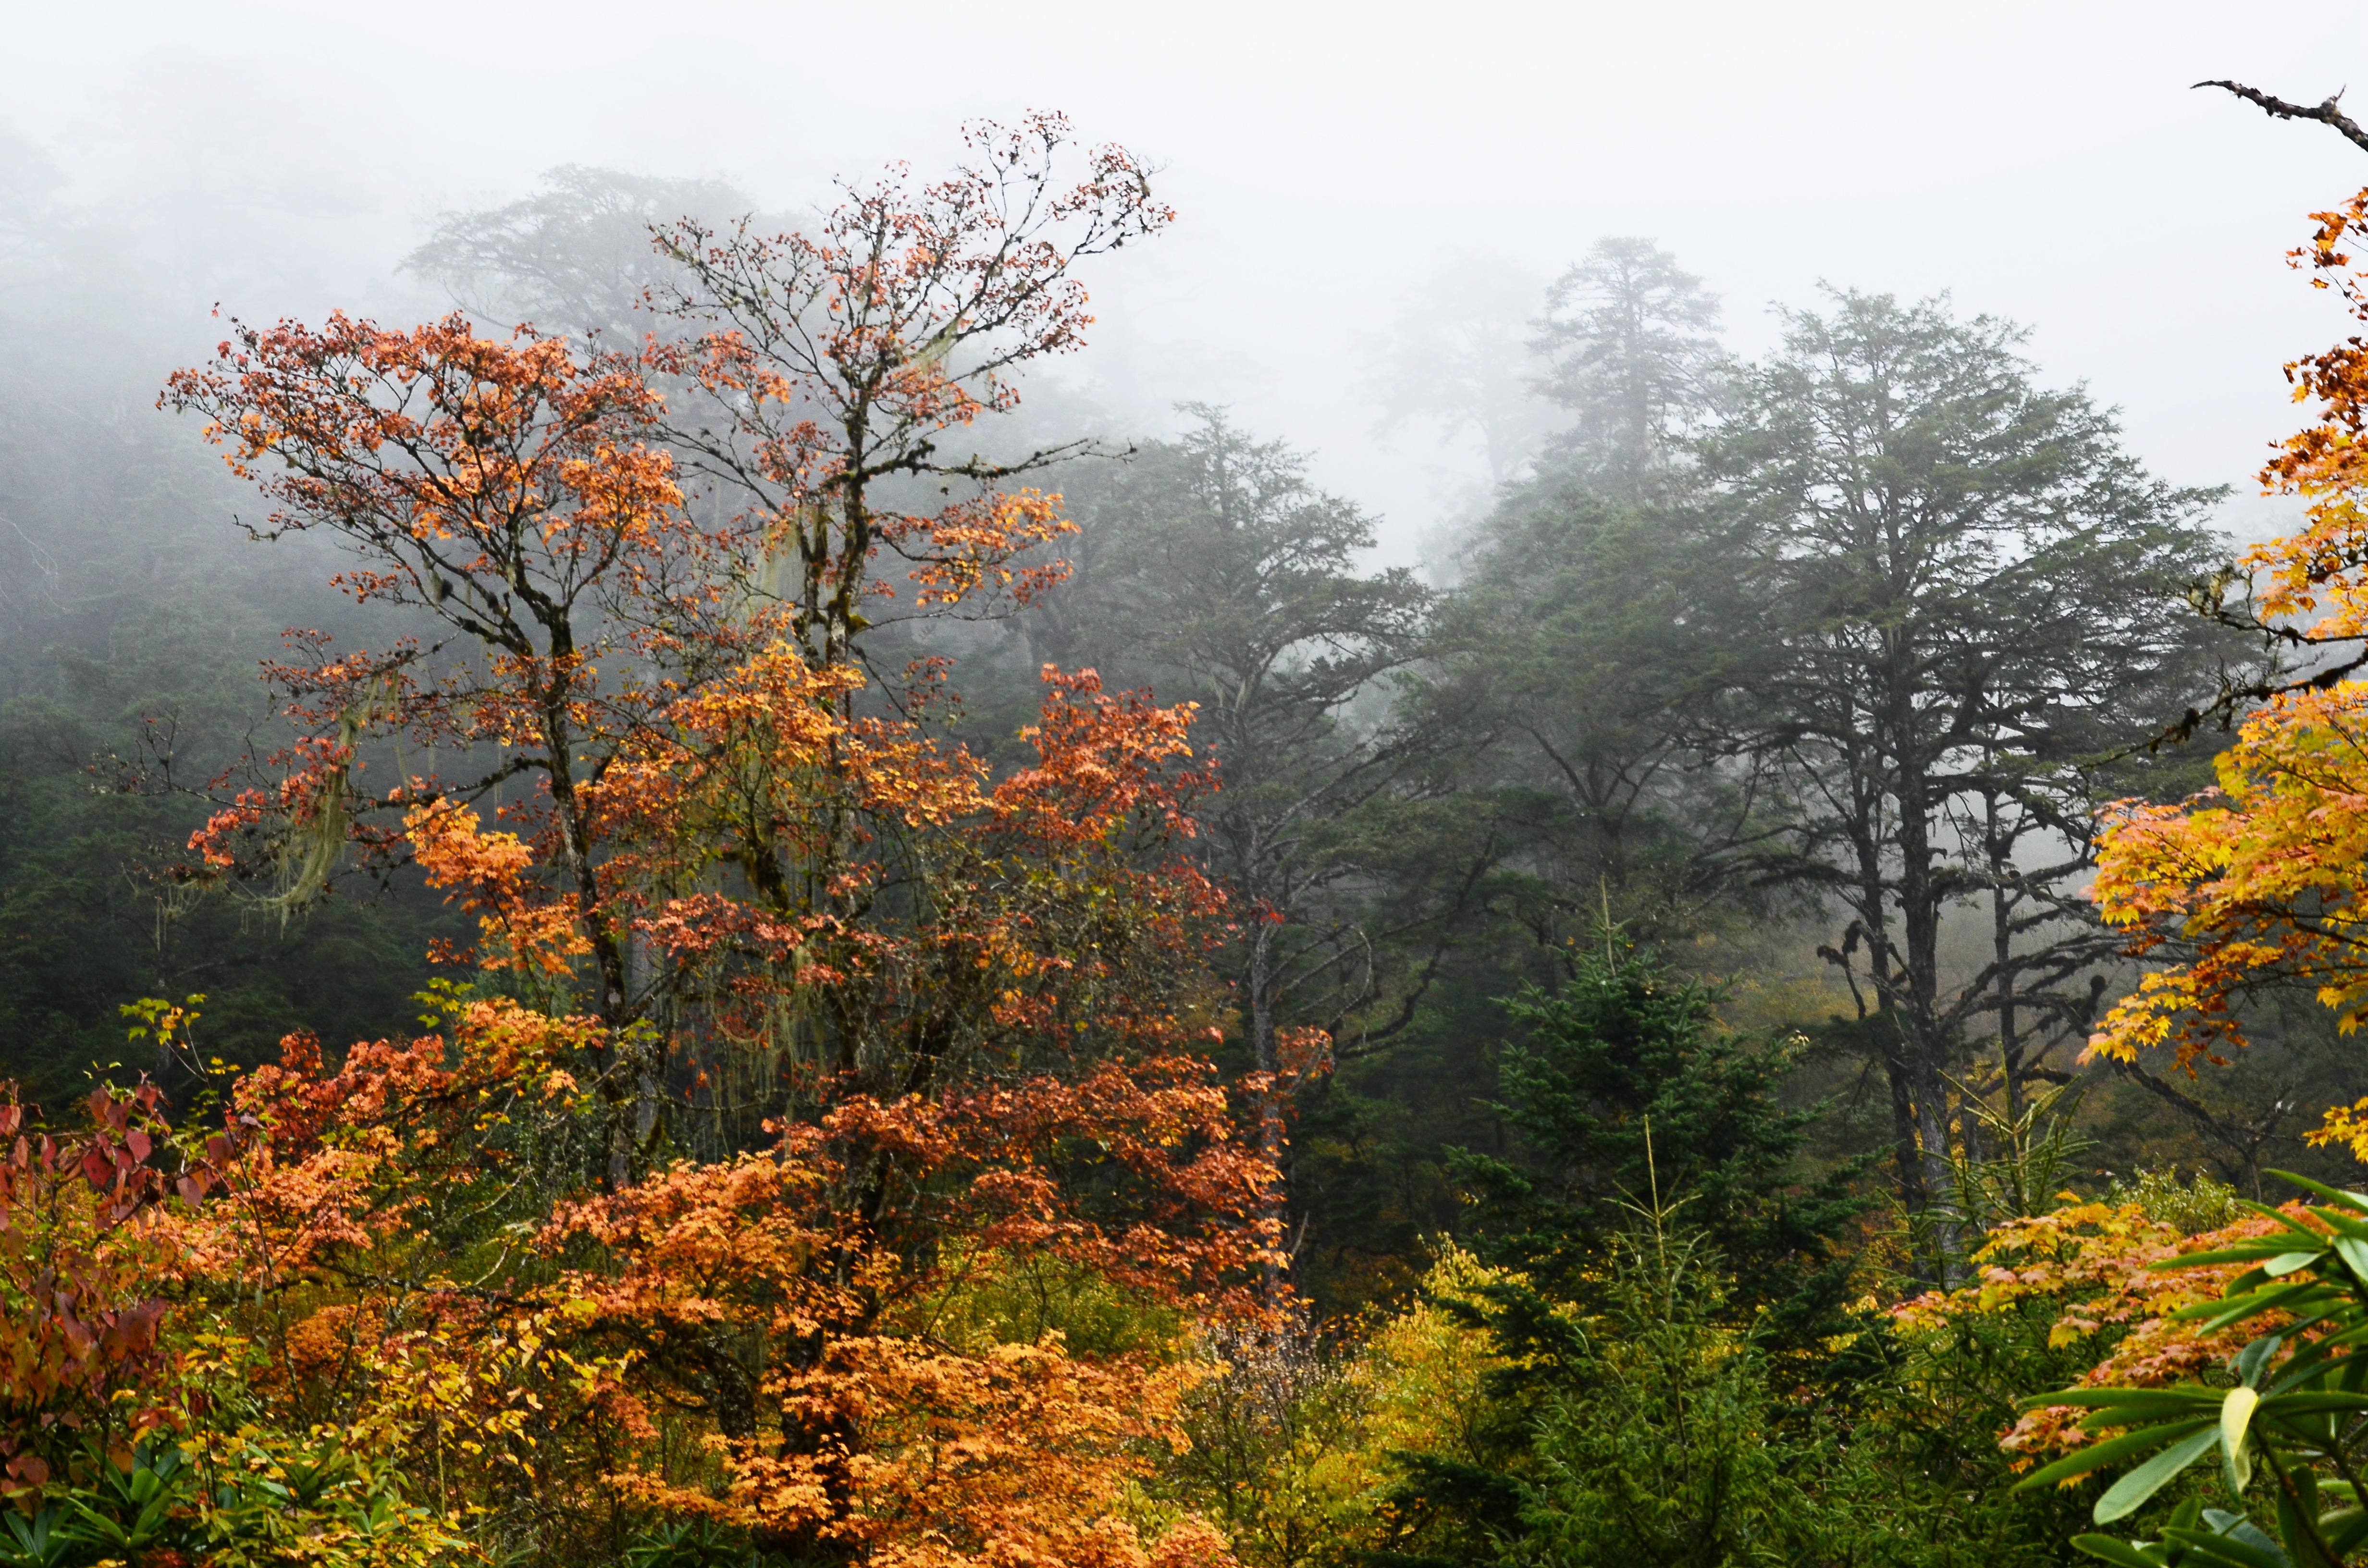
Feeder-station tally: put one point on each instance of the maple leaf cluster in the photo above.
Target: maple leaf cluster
(790, 1034)
(2258, 882)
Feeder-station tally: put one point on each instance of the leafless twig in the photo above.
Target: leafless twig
(2278, 108)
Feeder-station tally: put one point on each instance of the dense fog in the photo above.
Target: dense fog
(1345, 189)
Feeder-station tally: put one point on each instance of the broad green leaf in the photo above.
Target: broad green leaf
(2129, 1554)
(2127, 1494)
(2333, 1195)
(2314, 1403)
(2286, 1263)
(2236, 1415)
(2158, 1401)
(2256, 1356)
(2096, 1456)
(2244, 1547)
(2344, 1529)
(2261, 1251)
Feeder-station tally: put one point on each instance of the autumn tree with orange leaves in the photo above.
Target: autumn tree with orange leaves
(648, 701)
(838, 363)
(811, 1154)
(2237, 1348)
(2256, 884)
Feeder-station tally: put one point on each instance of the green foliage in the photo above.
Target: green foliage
(1217, 573)
(2285, 1432)
(37, 1540)
(1634, 357)
(128, 1511)
(1672, 1448)
(1005, 1299)
(1465, 1504)
(131, 618)
(271, 1500)
(1924, 1410)
(1649, 1430)
(2194, 1206)
(1625, 1091)
(1274, 1460)
(1942, 587)
(691, 1543)
(235, 1501)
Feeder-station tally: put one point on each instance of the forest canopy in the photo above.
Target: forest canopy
(791, 963)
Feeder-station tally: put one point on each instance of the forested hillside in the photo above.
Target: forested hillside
(662, 920)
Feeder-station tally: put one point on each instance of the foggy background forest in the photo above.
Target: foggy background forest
(1485, 453)
(1378, 297)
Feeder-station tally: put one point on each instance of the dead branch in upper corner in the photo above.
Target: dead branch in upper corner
(2278, 108)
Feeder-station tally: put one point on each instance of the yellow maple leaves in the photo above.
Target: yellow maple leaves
(2263, 880)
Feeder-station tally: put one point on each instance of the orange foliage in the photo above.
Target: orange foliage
(2258, 882)
(859, 1425)
(843, 356)
(2104, 1269)
(494, 873)
(964, 1001)
(775, 1309)
(80, 1305)
(1053, 906)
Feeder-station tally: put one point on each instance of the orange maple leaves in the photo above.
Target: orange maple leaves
(768, 1291)
(2259, 882)
(2260, 879)
(2102, 1270)
(960, 1003)
(845, 357)
(494, 874)
(791, 1305)
(470, 451)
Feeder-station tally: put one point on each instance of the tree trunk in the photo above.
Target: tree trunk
(1261, 1008)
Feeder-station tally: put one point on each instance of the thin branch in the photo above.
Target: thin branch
(2278, 108)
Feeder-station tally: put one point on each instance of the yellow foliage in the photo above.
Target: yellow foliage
(1294, 1445)
(1425, 1368)
(2258, 882)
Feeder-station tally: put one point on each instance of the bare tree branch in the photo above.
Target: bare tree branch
(2278, 108)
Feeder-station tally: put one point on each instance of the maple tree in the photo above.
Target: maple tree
(645, 699)
(794, 1047)
(510, 490)
(2240, 1344)
(841, 362)
(2256, 884)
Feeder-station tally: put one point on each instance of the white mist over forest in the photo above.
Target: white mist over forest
(1352, 184)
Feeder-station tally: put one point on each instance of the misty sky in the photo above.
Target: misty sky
(1338, 168)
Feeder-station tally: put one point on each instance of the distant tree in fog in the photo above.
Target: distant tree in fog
(1221, 574)
(1565, 659)
(1632, 348)
(575, 256)
(1942, 591)
(1457, 359)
